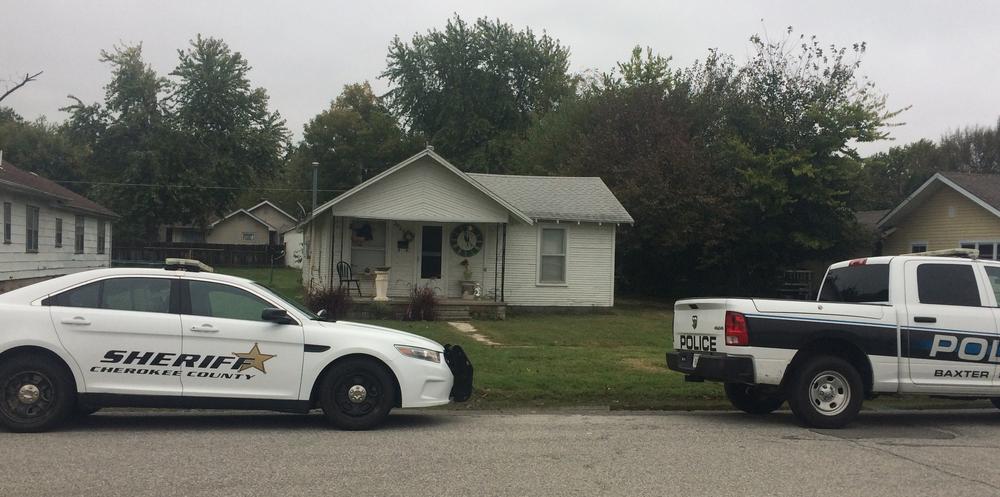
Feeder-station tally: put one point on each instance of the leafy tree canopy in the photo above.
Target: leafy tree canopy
(474, 89)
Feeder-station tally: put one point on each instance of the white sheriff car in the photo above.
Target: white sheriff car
(184, 337)
(912, 324)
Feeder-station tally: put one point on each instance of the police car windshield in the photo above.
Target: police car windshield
(301, 308)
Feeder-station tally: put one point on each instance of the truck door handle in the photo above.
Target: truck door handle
(77, 320)
(205, 328)
(924, 319)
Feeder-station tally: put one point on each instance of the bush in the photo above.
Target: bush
(423, 304)
(337, 302)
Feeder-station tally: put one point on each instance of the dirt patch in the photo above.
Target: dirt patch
(472, 332)
(646, 365)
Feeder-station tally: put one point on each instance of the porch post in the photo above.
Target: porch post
(496, 264)
(333, 246)
(503, 262)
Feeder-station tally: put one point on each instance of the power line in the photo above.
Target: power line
(155, 185)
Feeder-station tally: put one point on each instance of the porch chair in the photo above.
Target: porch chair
(346, 276)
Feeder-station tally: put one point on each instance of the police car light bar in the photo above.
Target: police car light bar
(177, 264)
(956, 252)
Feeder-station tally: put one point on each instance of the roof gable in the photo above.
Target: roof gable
(982, 189)
(416, 159)
(275, 207)
(243, 212)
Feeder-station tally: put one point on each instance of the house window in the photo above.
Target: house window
(6, 222)
(31, 229)
(367, 245)
(918, 247)
(248, 236)
(987, 249)
(100, 236)
(78, 235)
(58, 232)
(552, 256)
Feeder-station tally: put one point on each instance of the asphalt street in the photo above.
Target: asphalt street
(445, 453)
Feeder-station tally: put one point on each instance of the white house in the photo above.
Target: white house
(523, 240)
(48, 230)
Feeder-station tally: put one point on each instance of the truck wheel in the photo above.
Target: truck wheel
(357, 394)
(35, 394)
(826, 393)
(751, 400)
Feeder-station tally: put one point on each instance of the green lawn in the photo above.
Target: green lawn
(609, 359)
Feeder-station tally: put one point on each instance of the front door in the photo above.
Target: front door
(950, 333)
(430, 266)
(231, 352)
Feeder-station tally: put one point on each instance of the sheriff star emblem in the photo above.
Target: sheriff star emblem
(253, 359)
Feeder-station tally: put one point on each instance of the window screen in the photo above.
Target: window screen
(947, 284)
(552, 263)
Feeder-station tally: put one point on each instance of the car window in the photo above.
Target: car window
(948, 284)
(993, 273)
(859, 283)
(136, 294)
(81, 296)
(224, 301)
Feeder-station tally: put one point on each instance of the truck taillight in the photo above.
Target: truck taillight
(736, 329)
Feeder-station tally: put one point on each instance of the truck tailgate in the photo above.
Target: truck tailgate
(700, 324)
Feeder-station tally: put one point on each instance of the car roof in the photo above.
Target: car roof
(47, 287)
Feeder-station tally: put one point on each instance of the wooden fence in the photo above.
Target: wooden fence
(212, 254)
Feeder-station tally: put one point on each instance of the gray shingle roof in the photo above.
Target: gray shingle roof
(984, 186)
(557, 197)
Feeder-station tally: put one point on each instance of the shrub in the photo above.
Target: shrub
(423, 304)
(337, 302)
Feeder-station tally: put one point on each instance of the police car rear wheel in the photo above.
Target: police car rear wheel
(826, 393)
(35, 395)
(751, 399)
(357, 394)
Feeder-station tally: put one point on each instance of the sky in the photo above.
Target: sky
(938, 58)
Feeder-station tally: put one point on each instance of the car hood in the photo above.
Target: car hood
(398, 337)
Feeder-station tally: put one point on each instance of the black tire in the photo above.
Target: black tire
(751, 400)
(826, 392)
(36, 394)
(370, 404)
(995, 401)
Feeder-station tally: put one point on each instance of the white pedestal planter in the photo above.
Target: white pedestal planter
(381, 286)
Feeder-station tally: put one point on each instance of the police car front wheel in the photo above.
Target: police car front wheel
(357, 394)
(35, 394)
(826, 392)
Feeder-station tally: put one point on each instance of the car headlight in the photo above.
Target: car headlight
(419, 353)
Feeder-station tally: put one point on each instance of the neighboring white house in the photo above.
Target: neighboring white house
(525, 240)
(48, 230)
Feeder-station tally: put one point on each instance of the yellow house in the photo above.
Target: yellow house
(950, 210)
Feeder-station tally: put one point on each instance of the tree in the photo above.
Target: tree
(353, 140)
(474, 90)
(732, 171)
(888, 177)
(18, 85)
(232, 135)
(40, 147)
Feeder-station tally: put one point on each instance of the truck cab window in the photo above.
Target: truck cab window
(863, 283)
(948, 284)
(993, 273)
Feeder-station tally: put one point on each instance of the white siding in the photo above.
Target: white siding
(16, 264)
(590, 264)
(422, 191)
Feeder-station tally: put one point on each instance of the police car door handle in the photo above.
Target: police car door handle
(924, 319)
(77, 320)
(205, 328)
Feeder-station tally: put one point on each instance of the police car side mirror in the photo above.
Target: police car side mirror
(275, 315)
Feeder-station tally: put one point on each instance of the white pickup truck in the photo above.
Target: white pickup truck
(910, 324)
